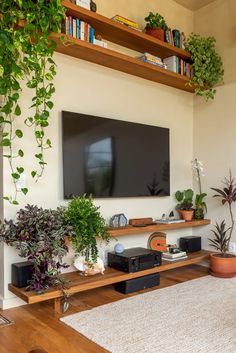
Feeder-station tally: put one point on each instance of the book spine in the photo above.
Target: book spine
(82, 30)
(91, 35)
(74, 27)
(78, 28)
(63, 25)
(70, 29)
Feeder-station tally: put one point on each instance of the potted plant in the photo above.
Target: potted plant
(200, 207)
(207, 65)
(223, 264)
(156, 25)
(185, 204)
(39, 235)
(88, 225)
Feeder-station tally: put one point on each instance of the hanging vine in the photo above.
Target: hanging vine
(26, 52)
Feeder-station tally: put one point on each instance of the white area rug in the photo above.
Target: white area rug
(197, 316)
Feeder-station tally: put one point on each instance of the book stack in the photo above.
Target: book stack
(175, 37)
(126, 22)
(152, 59)
(169, 220)
(174, 257)
(76, 28)
(178, 65)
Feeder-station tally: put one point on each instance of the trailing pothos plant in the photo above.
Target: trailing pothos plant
(26, 52)
(207, 65)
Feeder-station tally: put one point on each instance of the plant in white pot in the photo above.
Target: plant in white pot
(223, 264)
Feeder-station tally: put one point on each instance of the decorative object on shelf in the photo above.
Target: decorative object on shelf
(26, 53)
(39, 235)
(83, 3)
(157, 241)
(88, 224)
(156, 25)
(141, 222)
(169, 220)
(207, 65)
(185, 204)
(119, 248)
(200, 207)
(190, 243)
(125, 21)
(88, 269)
(224, 264)
(93, 6)
(118, 220)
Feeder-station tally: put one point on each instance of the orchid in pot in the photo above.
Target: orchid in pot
(200, 207)
(39, 235)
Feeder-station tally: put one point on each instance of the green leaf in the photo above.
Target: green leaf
(33, 173)
(15, 202)
(24, 190)
(49, 143)
(50, 104)
(1, 71)
(6, 198)
(20, 153)
(17, 110)
(15, 176)
(19, 133)
(5, 143)
(20, 170)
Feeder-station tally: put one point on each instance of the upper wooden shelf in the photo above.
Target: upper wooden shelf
(123, 35)
(116, 232)
(126, 37)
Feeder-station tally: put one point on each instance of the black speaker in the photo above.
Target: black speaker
(136, 284)
(190, 244)
(21, 273)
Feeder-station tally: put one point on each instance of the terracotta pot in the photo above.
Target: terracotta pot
(224, 267)
(186, 215)
(157, 33)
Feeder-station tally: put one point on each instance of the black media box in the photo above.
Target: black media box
(136, 284)
(21, 273)
(190, 244)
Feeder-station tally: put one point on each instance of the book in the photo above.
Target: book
(83, 3)
(171, 63)
(170, 221)
(175, 259)
(125, 21)
(173, 256)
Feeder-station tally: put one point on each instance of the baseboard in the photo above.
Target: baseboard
(7, 303)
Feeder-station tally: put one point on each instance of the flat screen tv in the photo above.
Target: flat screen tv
(113, 158)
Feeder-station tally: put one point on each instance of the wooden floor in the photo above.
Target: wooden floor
(38, 325)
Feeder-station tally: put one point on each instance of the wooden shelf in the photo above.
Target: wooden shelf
(77, 283)
(117, 232)
(129, 38)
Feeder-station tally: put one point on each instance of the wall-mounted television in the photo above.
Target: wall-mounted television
(113, 158)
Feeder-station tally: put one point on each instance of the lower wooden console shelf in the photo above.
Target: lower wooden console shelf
(77, 283)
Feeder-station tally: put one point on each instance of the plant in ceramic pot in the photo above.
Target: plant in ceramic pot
(39, 235)
(223, 264)
(156, 25)
(185, 204)
(88, 226)
(200, 207)
(207, 65)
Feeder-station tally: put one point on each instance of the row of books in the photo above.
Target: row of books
(76, 28)
(175, 37)
(152, 59)
(178, 65)
(174, 257)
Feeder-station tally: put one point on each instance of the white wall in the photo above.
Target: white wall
(92, 89)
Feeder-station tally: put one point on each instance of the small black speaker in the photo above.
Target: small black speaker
(190, 244)
(21, 273)
(136, 284)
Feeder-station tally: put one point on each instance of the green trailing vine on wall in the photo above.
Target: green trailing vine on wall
(26, 52)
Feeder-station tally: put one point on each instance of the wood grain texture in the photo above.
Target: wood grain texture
(116, 232)
(76, 283)
(38, 325)
(123, 35)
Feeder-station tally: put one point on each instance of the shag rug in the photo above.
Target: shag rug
(197, 316)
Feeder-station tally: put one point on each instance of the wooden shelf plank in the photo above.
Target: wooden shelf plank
(121, 62)
(116, 232)
(77, 283)
(125, 36)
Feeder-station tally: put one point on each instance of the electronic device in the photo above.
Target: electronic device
(190, 243)
(134, 259)
(136, 284)
(113, 158)
(21, 273)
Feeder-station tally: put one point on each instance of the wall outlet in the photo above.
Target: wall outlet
(232, 246)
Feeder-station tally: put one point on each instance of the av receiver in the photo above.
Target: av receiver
(134, 259)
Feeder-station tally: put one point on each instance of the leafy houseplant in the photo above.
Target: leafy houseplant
(87, 224)
(39, 235)
(156, 25)
(224, 264)
(207, 65)
(185, 203)
(26, 52)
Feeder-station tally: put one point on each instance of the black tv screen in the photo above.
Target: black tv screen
(113, 158)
